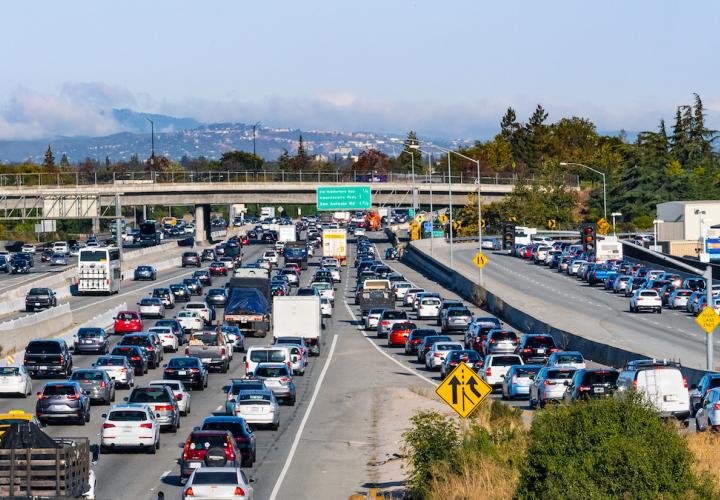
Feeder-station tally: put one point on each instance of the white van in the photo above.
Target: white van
(61, 247)
(661, 382)
(266, 354)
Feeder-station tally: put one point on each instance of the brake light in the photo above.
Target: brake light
(123, 370)
(488, 372)
(189, 492)
(584, 388)
(163, 407)
(717, 406)
(108, 426)
(547, 382)
(195, 370)
(634, 384)
(222, 351)
(62, 359)
(685, 382)
(527, 350)
(187, 352)
(103, 384)
(74, 397)
(247, 365)
(238, 491)
(135, 358)
(286, 379)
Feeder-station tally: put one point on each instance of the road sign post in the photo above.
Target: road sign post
(480, 260)
(463, 390)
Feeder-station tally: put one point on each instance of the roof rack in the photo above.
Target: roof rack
(639, 364)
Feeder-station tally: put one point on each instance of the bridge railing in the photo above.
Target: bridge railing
(80, 178)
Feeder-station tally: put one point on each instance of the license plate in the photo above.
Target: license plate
(541, 351)
(195, 465)
(87, 341)
(206, 360)
(670, 397)
(253, 409)
(599, 390)
(37, 303)
(43, 367)
(182, 372)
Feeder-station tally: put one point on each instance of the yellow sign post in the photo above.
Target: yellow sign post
(603, 226)
(480, 260)
(551, 223)
(414, 231)
(443, 218)
(463, 390)
(708, 319)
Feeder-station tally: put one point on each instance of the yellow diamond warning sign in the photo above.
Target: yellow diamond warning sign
(708, 319)
(463, 390)
(480, 260)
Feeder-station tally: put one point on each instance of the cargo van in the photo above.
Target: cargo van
(266, 354)
(661, 382)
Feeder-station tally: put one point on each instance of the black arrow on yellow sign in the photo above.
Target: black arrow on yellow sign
(471, 384)
(454, 383)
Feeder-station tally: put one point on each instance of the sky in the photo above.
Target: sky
(444, 68)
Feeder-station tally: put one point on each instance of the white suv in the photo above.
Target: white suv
(496, 367)
(647, 300)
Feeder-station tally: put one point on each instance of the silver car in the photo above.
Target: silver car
(258, 407)
(218, 482)
(118, 368)
(279, 379)
(678, 298)
(501, 342)
(58, 259)
(550, 385)
(162, 401)
(151, 306)
(96, 383)
(456, 319)
(387, 319)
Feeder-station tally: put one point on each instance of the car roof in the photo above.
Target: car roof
(224, 418)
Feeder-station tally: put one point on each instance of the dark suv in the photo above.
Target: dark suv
(162, 400)
(244, 437)
(190, 259)
(91, 339)
(536, 348)
(209, 449)
(204, 277)
(48, 357)
(143, 340)
(39, 297)
(194, 285)
(595, 383)
(189, 370)
(63, 401)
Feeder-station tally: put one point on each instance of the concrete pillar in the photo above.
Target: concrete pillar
(144, 213)
(202, 223)
(96, 225)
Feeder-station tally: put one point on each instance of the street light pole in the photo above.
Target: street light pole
(563, 163)
(412, 163)
(152, 141)
(613, 215)
(450, 219)
(254, 154)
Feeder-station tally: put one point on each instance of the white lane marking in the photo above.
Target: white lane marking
(306, 416)
(164, 474)
(219, 408)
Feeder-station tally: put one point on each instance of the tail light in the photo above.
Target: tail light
(239, 492)
(108, 426)
(634, 384)
(164, 407)
(286, 379)
(189, 492)
(488, 372)
(584, 388)
(150, 348)
(685, 382)
(527, 350)
(178, 397)
(123, 370)
(222, 351)
(103, 384)
(135, 358)
(716, 406)
(185, 450)
(187, 352)
(516, 341)
(195, 370)
(247, 365)
(514, 379)
(62, 359)
(437, 355)
(547, 382)
(74, 397)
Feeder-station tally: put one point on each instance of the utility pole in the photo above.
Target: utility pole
(450, 219)
(118, 229)
(152, 141)
(254, 154)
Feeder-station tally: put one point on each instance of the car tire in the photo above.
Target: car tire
(104, 450)
(150, 450)
(275, 426)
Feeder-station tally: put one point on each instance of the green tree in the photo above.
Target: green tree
(410, 153)
(509, 125)
(240, 160)
(49, 159)
(64, 162)
(301, 161)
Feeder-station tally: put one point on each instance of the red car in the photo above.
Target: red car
(217, 269)
(128, 322)
(400, 333)
(245, 240)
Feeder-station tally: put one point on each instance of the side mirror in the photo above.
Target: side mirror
(196, 428)
(294, 359)
(181, 445)
(567, 383)
(104, 415)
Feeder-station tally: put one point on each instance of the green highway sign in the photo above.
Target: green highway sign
(344, 198)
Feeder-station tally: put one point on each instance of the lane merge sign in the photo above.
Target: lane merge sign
(463, 390)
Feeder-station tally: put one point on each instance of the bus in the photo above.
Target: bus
(99, 270)
(150, 233)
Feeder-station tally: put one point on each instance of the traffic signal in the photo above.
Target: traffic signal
(508, 236)
(588, 236)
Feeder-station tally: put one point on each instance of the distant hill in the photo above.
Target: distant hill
(134, 121)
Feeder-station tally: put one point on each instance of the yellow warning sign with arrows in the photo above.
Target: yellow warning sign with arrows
(551, 223)
(463, 390)
(480, 260)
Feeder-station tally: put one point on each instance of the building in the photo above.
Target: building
(687, 223)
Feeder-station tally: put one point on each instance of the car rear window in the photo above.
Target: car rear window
(205, 442)
(86, 375)
(560, 374)
(9, 370)
(591, 378)
(195, 305)
(526, 372)
(448, 347)
(648, 293)
(211, 477)
(43, 347)
(90, 334)
(540, 342)
(182, 363)
(569, 358)
(505, 360)
(271, 371)
(126, 316)
(267, 355)
(394, 315)
(236, 428)
(246, 386)
(135, 340)
(127, 416)
(149, 395)
(504, 336)
(458, 312)
(404, 326)
(59, 390)
(38, 291)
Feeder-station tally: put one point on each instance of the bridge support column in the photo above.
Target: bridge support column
(202, 223)
(96, 225)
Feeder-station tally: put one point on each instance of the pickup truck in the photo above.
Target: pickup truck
(599, 274)
(211, 348)
(39, 297)
(376, 294)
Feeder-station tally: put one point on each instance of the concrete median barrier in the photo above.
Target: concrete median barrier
(16, 333)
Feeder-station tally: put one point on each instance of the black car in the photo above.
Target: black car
(145, 273)
(252, 234)
(91, 339)
(5, 264)
(592, 383)
(48, 357)
(243, 436)
(454, 358)
(204, 277)
(193, 285)
(37, 298)
(19, 265)
(47, 254)
(188, 370)
(269, 237)
(143, 340)
(536, 348)
(190, 259)
(216, 297)
(208, 255)
(180, 292)
(135, 355)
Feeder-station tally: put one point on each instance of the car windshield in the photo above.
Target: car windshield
(267, 355)
(602, 377)
(182, 363)
(110, 362)
(394, 315)
(59, 390)
(38, 291)
(204, 476)
(128, 416)
(271, 371)
(148, 395)
(87, 375)
(465, 355)
(458, 312)
(43, 347)
(506, 360)
(9, 371)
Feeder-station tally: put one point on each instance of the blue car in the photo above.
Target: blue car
(518, 380)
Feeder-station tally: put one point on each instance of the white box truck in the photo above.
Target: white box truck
(299, 316)
(286, 233)
(335, 244)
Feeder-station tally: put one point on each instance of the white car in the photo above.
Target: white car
(61, 247)
(329, 261)
(201, 308)
(258, 407)
(429, 308)
(118, 368)
(326, 307)
(496, 367)
(324, 289)
(15, 380)
(168, 339)
(400, 288)
(28, 248)
(359, 231)
(679, 298)
(182, 395)
(334, 272)
(130, 426)
(567, 359)
(218, 482)
(271, 256)
(436, 355)
(410, 295)
(645, 300)
(228, 262)
(230, 343)
(190, 321)
(151, 306)
(373, 318)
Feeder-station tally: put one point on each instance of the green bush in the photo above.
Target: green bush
(432, 439)
(606, 448)
(643, 222)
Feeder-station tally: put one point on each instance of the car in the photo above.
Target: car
(175, 326)
(218, 268)
(536, 347)
(454, 358)
(372, 317)
(678, 298)
(437, 353)
(500, 341)
(135, 355)
(188, 370)
(549, 385)
(216, 297)
(218, 482)
(645, 300)
(91, 339)
(293, 276)
(181, 293)
(591, 383)
(399, 333)
(497, 366)
(150, 344)
(118, 368)
(16, 417)
(190, 320)
(326, 307)
(59, 259)
(166, 296)
(127, 322)
(62, 401)
(661, 383)
(204, 277)
(299, 352)
(228, 262)
(145, 273)
(202, 448)
(37, 298)
(168, 338)
(28, 248)
(258, 407)
(518, 379)
(97, 384)
(415, 339)
(15, 380)
(387, 318)
(48, 357)
(708, 382)
(161, 400)
(279, 379)
(428, 308)
(427, 343)
(567, 359)
(193, 285)
(182, 395)
(151, 306)
(130, 426)
(270, 256)
(190, 259)
(456, 319)
(242, 434)
(707, 415)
